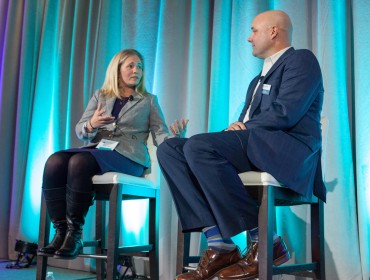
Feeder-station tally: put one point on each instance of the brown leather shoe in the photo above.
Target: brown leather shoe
(247, 268)
(210, 264)
(280, 253)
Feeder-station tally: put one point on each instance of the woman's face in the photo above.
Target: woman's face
(131, 71)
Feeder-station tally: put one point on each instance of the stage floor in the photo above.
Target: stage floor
(30, 273)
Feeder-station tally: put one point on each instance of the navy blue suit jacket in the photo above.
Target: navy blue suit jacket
(284, 124)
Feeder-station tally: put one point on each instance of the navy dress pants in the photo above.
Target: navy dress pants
(202, 174)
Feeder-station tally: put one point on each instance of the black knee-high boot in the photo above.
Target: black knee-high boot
(56, 205)
(78, 204)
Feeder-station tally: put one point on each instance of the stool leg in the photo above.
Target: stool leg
(100, 235)
(44, 232)
(153, 254)
(180, 250)
(266, 223)
(115, 210)
(318, 239)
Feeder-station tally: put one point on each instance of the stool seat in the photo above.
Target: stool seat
(254, 178)
(124, 179)
(132, 186)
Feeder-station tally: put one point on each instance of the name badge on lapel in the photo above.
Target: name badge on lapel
(266, 89)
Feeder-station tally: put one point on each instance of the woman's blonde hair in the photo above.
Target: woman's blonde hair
(111, 83)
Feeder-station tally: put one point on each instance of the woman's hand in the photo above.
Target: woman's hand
(98, 120)
(179, 129)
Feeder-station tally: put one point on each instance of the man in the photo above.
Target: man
(278, 131)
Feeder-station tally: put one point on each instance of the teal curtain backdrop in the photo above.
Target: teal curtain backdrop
(53, 55)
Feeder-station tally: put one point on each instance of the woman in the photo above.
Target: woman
(117, 122)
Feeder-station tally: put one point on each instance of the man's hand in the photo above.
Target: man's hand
(236, 126)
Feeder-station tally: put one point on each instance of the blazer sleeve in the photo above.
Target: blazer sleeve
(87, 115)
(158, 126)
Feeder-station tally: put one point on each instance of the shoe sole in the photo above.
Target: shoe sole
(216, 274)
(45, 254)
(243, 278)
(65, 257)
(279, 261)
(56, 256)
(282, 259)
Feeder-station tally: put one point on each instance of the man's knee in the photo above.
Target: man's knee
(170, 147)
(162, 149)
(197, 145)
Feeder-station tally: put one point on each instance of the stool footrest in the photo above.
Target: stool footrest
(94, 243)
(133, 249)
(289, 268)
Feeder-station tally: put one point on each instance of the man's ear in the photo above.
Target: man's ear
(274, 31)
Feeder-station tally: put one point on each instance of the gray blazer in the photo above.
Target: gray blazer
(136, 119)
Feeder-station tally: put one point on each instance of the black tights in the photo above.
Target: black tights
(72, 169)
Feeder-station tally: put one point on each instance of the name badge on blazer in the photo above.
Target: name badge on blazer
(266, 89)
(106, 144)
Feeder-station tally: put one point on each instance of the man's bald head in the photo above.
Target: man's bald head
(279, 19)
(271, 32)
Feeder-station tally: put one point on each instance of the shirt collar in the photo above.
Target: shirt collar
(269, 61)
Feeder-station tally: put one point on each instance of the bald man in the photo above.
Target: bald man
(278, 132)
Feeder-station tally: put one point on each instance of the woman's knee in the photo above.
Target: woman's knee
(55, 171)
(82, 163)
(56, 162)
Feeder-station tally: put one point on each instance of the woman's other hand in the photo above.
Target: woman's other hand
(179, 128)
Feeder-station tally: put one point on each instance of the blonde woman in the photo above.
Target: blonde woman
(117, 123)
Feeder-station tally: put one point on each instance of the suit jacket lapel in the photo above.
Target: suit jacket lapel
(258, 97)
(250, 93)
(279, 61)
(109, 103)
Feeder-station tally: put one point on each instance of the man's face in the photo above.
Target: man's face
(260, 38)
